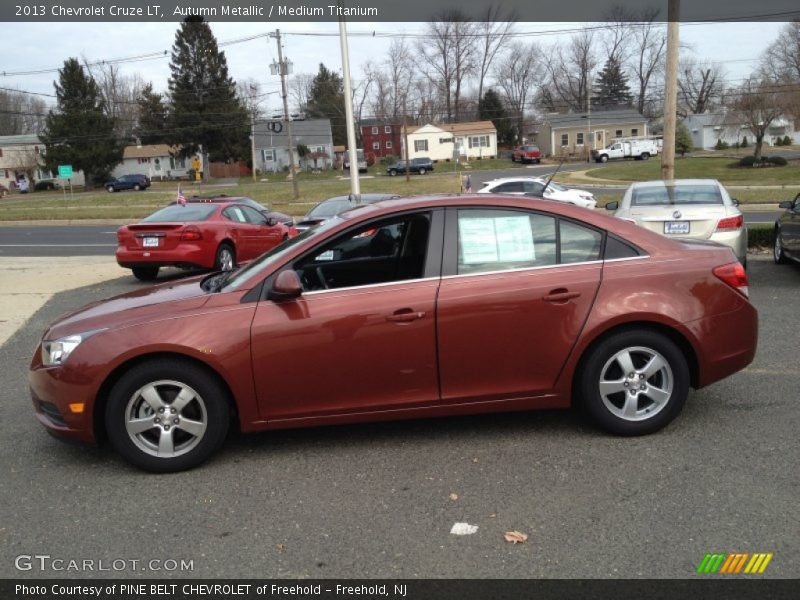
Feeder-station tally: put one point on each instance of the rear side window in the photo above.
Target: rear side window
(579, 243)
(176, 212)
(617, 248)
(235, 214)
(509, 186)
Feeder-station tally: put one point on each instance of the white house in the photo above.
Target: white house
(272, 154)
(707, 129)
(23, 156)
(156, 161)
(454, 140)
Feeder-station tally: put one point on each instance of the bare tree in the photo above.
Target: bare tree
(448, 55)
(648, 44)
(360, 91)
(120, 93)
(21, 113)
(492, 34)
(758, 102)
(517, 74)
(698, 84)
(251, 97)
(569, 70)
(300, 90)
(781, 60)
(398, 77)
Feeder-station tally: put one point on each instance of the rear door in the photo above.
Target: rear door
(512, 301)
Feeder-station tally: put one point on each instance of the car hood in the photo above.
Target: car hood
(142, 305)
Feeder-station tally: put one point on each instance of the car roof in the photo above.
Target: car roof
(661, 183)
(514, 179)
(365, 198)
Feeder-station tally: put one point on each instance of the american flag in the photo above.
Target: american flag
(181, 197)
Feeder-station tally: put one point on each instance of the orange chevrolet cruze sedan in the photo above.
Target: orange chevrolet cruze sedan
(403, 309)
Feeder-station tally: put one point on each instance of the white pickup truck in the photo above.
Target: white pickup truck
(637, 149)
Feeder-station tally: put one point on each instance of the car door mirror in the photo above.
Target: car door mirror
(612, 205)
(787, 204)
(271, 222)
(735, 201)
(287, 286)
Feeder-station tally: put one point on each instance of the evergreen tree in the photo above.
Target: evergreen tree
(152, 122)
(79, 132)
(611, 89)
(683, 140)
(326, 101)
(204, 108)
(490, 108)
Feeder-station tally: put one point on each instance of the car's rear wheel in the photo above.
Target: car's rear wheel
(226, 258)
(777, 249)
(167, 415)
(513, 158)
(145, 273)
(422, 171)
(645, 155)
(137, 187)
(110, 189)
(393, 173)
(634, 382)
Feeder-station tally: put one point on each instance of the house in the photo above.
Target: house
(272, 153)
(707, 129)
(381, 137)
(23, 155)
(463, 141)
(157, 161)
(566, 134)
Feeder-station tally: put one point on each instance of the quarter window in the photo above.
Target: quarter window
(509, 187)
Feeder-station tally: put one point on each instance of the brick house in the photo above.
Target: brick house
(380, 137)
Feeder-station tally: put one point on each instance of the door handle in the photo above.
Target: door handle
(560, 295)
(405, 315)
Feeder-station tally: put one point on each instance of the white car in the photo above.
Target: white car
(535, 186)
(686, 208)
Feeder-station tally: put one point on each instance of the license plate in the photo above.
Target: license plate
(676, 227)
(150, 242)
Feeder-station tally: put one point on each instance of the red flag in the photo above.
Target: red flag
(181, 197)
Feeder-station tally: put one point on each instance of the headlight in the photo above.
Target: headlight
(55, 352)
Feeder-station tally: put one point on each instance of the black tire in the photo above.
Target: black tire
(392, 173)
(600, 364)
(603, 158)
(145, 273)
(136, 187)
(110, 189)
(777, 249)
(222, 262)
(422, 171)
(208, 406)
(645, 155)
(513, 159)
(538, 161)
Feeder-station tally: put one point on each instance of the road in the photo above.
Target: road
(379, 500)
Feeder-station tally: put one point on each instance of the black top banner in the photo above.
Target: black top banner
(373, 11)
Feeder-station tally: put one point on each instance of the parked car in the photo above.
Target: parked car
(3, 191)
(278, 217)
(362, 162)
(417, 165)
(46, 185)
(128, 182)
(638, 149)
(205, 235)
(527, 154)
(334, 206)
(689, 208)
(404, 309)
(787, 232)
(538, 187)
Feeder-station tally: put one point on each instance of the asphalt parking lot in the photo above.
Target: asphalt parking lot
(380, 500)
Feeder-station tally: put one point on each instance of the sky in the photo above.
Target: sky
(35, 46)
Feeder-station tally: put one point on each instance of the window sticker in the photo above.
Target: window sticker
(327, 255)
(501, 239)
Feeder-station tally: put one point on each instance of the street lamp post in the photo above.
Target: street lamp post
(283, 67)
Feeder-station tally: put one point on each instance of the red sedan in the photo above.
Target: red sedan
(402, 309)
(206, 235)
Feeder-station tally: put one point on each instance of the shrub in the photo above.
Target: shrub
(744, 143)
(721, 145)
(787, 141)
(389, 159)
(778, 161)
(747, 161)
(778, 141)
(760, 236)
(44, 185)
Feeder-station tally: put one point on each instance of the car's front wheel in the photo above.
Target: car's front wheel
(777, 249)
(136, 187)
(393, 173)
(110, 189)
(634, 382)
(422, 171)
(167, 415)
(145, 273)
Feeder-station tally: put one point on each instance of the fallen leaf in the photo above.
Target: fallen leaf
(463, 529)
(280, 547)
(492, 516)
(474, 460)
(515, 537)
(453, 497)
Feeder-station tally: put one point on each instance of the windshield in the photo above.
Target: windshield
(676, 194)
(329, 208)
(176, 212)
(554, 186)
(275, 255)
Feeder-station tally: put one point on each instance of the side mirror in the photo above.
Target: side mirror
(272, 221)
(735, 201)
(287, 286)
(612, 205)
(787, 204)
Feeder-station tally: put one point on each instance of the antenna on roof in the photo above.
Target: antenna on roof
(553, 174)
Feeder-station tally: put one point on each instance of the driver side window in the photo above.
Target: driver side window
(383, 252)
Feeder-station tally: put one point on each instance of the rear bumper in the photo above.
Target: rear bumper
(189, 255)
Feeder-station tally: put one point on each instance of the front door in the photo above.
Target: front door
(514, 302)
(361, 337)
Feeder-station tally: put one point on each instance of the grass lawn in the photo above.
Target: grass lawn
(723, 169)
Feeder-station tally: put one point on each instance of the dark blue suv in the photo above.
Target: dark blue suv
(128, 182)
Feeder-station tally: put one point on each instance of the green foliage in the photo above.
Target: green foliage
(204, 108)
(389, 159)
(611, 90)
(747, 161)
(491, 108)
(326, 101)
(760, 236)
(787, 141)
(720, 145)
(778, 161)
(683, 140)
(303, 150)
(152, 117)
(79, 132)
(744, 143)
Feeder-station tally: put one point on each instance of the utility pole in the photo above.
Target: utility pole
(405, 141)
(281, 67)
(588, 119)
(355, 185)
(253, 133)
(670, 92)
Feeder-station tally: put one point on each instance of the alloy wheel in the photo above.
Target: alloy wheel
(636, 383)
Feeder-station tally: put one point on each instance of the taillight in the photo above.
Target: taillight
(734, 275)
(120, 236)
(191, 234)
(730, 223)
